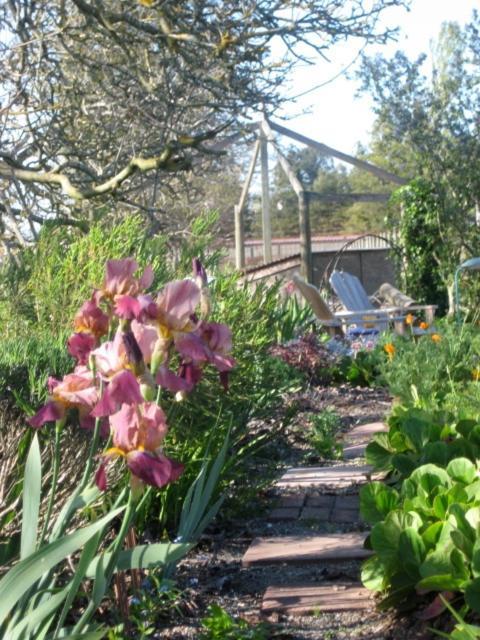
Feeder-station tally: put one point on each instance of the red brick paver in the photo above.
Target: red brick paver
(297, 549)
(304, 599)
(336, 477)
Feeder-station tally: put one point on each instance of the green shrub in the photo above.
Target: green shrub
(361, 369)
(430, 370)
(58, 273)
(417, 436)
(27, 361)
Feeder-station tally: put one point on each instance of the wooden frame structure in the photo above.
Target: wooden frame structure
(266, 135)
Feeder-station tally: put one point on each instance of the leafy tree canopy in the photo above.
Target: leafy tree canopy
(427, 127)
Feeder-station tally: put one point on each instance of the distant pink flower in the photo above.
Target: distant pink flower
(76, 390)
(120, 280)
(288, 288)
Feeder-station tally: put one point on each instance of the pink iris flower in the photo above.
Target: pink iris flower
(80, 345)
(114, 363)
(138, 433)
(176, 304)
(210, 343)
(171, 381)
(170, 316)
(91, 319)
(140, 308)
(76, 390)
(120, 279)
(218, 338)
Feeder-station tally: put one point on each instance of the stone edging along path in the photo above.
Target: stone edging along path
(331, 506)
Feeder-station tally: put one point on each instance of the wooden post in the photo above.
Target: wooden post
(239, 226)
(266, 222)
(306, 262)
(239, 238)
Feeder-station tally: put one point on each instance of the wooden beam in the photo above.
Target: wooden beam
(306, 261)
(239, 208)
(266, 222)
(250, 172)
(348, 197)
(329, 151)
(295, 183)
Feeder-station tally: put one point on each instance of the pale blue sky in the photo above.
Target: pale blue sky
(338, 118)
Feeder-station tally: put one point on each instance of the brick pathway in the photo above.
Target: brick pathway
(312, 493)
(328, 508)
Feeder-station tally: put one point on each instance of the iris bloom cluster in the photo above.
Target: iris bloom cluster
(128, 346)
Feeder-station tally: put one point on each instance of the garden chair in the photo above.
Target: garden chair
(353, 297)
(348, 323)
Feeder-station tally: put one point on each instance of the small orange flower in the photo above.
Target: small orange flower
(476, 374)
(436, 337)
(424, 325)
(389, 348)
(410, 319)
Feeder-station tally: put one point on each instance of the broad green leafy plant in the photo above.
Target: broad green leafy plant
(418, 436)
(425, 537)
